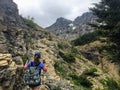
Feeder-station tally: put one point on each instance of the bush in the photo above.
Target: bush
(67, 57)
(86, 38)
(110, 84)
(57, 88)
(90, 72)
(59, 69)
(24, 58)
(30, 23)
(81, 80)
(74, 51)
(62, 46)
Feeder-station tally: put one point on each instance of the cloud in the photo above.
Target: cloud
(45, 12)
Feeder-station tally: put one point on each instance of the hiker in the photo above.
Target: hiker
(40, 66)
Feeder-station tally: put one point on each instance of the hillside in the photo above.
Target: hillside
(68, 67)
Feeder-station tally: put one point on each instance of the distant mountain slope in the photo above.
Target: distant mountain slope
(72, 29)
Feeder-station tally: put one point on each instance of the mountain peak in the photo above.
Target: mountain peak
(61, 23)
(72, 29)
(62, 19)
(85, 18)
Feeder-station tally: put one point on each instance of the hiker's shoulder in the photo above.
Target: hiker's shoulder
(41, 64)
(31, 63)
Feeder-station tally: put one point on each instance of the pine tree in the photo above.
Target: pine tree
(108, 13)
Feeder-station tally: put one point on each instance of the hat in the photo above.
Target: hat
(38, 54)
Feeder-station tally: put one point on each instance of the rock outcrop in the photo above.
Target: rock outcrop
(71, 30)
(10, 74)
(9, 13)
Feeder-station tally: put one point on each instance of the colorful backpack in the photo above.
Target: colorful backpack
(32, 76)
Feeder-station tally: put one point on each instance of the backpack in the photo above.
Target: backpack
(32, 76)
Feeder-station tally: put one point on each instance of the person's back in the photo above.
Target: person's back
(36, 63)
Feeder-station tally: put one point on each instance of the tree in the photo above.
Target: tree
(108, 13)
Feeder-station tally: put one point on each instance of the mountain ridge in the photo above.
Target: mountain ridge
(75, 28)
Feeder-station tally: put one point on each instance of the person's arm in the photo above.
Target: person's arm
(26, 65)
(44, 68)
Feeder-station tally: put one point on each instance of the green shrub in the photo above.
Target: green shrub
(74, 51)
(57, 88)
(86, 38)
(90, 72)
(68, 57)
(24, 58)
(62, 46)
(110, 84)
(59, 69)
(30, 23)
(81, 80)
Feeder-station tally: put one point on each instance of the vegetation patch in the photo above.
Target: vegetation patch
(90, 72)
(57, 88)
(68, 57)
(24, 58)
(86, 38)
(110, 84)
(81, 80)
(62, 46)
(60, 69)
(30, 23)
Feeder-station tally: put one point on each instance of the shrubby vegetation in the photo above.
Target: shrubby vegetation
(60, 69)
(90, 72)
(68, 57)
(81, 80)
(24, 58)
(110, 84)
(108, 13)
(86, 38)
(30, 22)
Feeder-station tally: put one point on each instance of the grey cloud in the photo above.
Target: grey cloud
(46, 12)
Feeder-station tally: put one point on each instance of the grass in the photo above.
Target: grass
(110, 84)
(30, 23)
(60, 69)
(90, 72)
(68, 57)
(86, 38)
(24, 58)
(81, 81)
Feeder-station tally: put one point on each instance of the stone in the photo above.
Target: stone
(18, 60)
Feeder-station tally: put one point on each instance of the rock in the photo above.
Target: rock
(11, 74)
(18, 60)
(9, 13)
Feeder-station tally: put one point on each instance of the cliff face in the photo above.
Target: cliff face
(9, 13)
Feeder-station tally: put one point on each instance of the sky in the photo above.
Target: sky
(45, 12)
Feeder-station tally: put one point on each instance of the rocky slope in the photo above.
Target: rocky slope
(17, 41)
(71, 30)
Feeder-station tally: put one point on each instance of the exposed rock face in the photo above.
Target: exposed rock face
(60, 26)
(9, 13)
(84, 19)
(73, 29)
(10, 74)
